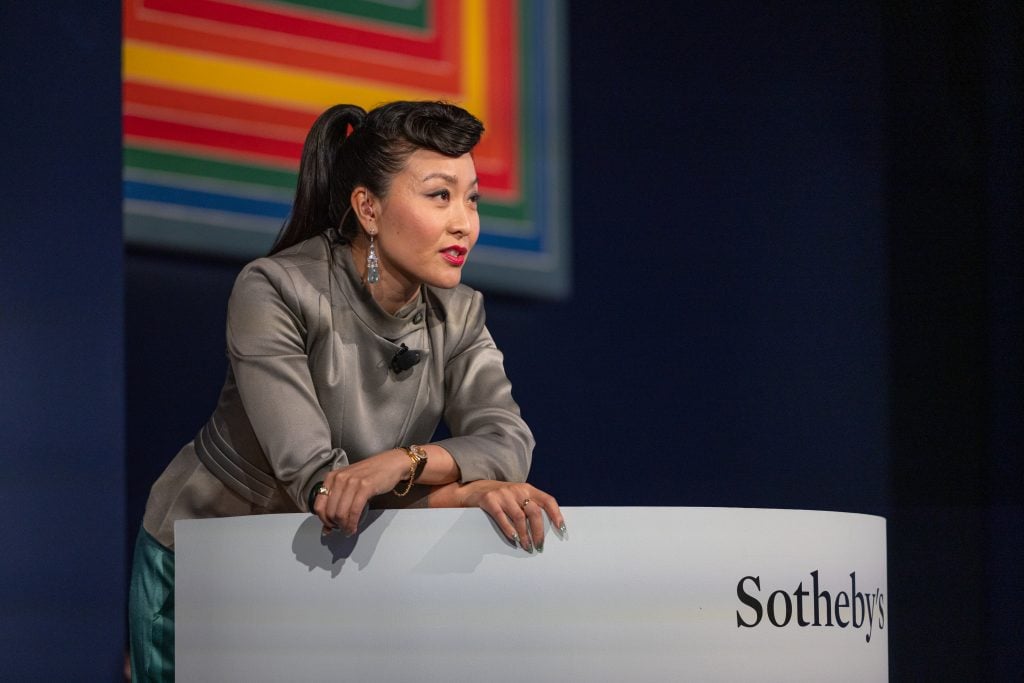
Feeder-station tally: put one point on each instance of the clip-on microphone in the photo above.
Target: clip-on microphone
(404, 359)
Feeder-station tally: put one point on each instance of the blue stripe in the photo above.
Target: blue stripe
(509, 242)
(205, 200)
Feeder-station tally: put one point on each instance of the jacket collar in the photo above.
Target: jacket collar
(346, 276)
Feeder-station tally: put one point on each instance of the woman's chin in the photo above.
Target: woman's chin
(447, 280)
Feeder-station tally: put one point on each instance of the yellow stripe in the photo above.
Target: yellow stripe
(255, 81)
(474, 58)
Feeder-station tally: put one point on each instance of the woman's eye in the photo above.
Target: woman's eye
(474, 198)
(442, 194)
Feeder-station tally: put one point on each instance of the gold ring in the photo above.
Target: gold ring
(323, 491)
(524, 503)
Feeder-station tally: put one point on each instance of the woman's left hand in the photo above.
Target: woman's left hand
(517, 508)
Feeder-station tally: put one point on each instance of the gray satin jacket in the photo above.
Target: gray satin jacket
(309, 389)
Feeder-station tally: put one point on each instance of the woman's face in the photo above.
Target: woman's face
(427, 223)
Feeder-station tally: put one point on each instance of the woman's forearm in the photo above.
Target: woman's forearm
(445, 496)
(440, 469)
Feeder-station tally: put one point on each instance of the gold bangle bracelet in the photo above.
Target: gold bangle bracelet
(414, 460)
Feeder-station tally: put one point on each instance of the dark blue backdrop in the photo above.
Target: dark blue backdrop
(62, 575)
(797, 259)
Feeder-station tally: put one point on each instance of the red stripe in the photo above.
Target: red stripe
(141, 127)
(190, 102)
(293, 24)
(498, 149)
(441, 76)
(185, 149)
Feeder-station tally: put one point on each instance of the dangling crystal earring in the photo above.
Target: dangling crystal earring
(372, 264)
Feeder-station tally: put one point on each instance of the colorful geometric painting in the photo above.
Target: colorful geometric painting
(219, 94)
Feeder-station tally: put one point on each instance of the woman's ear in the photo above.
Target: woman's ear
(363, 205)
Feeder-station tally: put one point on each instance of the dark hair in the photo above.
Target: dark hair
(348, 147)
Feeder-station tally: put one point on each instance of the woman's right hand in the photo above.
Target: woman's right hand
(350, 488)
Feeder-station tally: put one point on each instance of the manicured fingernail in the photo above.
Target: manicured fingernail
(539, 547)
(515, 540)
(563, 532)
(324, 531)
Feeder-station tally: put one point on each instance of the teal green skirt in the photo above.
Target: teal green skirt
(151, 610)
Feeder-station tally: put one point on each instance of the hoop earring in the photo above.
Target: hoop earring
(372, 264)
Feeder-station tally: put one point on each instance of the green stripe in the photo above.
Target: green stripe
(510, 211)
(150, 160)
(199, 167)
(413, 16)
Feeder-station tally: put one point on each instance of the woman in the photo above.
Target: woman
(347, 346)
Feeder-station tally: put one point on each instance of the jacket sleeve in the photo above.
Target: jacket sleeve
(489, 439)
(266, 334)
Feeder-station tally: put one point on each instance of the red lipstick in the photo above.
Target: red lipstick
(455, 254)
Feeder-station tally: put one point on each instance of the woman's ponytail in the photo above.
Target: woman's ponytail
(321, 194)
